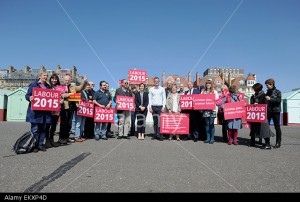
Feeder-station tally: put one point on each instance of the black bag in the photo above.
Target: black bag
(24, 144)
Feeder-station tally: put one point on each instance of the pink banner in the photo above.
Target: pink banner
(204, 102)
(186, 102)
(137, 76)
(125, 103)
(62, 89)
(172, 123)
(257, 113)
(104, 114)
(85, 108)
(45, 99)
(234, 110)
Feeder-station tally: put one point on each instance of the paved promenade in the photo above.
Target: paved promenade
(150, 165)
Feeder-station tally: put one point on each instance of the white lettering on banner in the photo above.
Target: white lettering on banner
(257, 109)
(258, 115)
(42, 102)
(100, 117)
(46, 94)
(99, 110)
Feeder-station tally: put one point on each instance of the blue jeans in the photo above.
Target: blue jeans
(73, 123)
(210, 128)
(100, 129)
(80, 120)
(39, 132)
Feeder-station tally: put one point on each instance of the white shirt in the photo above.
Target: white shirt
(157, 96)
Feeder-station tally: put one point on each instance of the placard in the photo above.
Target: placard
(186, 102)
(45, 99)
(137, 76)
(104, 114)
(62, 89)
(125, 103)
(234, 110)
(85, 108)
(204, 102)
(256, 113)
(174, 123)
(75, 97)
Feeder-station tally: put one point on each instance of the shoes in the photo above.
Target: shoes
(206, 141)
(159, 138)
(119, 137)
(170, 138)
(97, 137)
(83, 139)
(178, 139)
(48, 144)
(277, 145)
(229, 143)
(35, 150)
(251, 145)
(195, 140)
(211, 142)
(54, 144)
(78, 140)
(235, 143)
(70, 140)
(62, 142)
(42, 149)
(267, 147)
(127, 137)
(104, 138)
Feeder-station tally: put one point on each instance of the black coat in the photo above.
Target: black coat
(137, 101)
(274, 104)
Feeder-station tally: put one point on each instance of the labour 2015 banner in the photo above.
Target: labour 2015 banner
(186, 102)
(125, 103)
(257, 113)
(173, 123)
(75, 97)
(137, 76)
(204, 102)
(85, 108)
(45, 99)
(234, 110)
(104, 114)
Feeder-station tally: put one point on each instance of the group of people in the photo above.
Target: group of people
(155, 101)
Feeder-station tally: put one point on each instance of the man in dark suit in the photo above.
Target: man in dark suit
(194, 114)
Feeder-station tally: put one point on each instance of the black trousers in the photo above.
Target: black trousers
(141, 120)
(51, 128)
(65, 116)
(89, 127)
(156, 116)
(276, 119)
(132, 128)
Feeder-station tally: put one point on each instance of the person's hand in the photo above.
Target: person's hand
(84, 78)
(267, 97)
(31, 98)
(150, 110)
(170, 111)
(107, 106)
(162, 109)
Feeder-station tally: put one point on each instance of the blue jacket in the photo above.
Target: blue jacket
(36, 116)
(233, 123)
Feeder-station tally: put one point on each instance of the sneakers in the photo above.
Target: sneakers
(70, 140)
(42, 149)
(97, 137)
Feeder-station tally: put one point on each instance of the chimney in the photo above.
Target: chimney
(229, 79)
(10, 69)
(42, 68)
(58, 69)
(163, 78)
(254, 75)
(74, 71)
(26, 69)
(189, 77)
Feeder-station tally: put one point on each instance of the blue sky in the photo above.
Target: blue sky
(175, 36)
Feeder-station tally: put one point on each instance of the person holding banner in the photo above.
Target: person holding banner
(194, 114)
(123, 115)
(173, 105)
(89, 121)
(220, 115)
(102, 98)
(233, 124)
(38, 119)
(260, 130)
(273, 97)
(54, 83)
(141, 103)
(209, 115)
(133, 116)
(157, 102)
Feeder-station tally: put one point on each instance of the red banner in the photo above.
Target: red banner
(257, 113)
(75, 97)
(204, 102)
(234, 110)
(85, 108)
(172, 123)
(125, 103)
(104, 114)
(137, 76)
(186, 102)
(62, 89)
(45, 99)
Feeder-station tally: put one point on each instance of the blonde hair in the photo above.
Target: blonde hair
(211, 90)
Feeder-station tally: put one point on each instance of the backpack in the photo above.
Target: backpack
(24, 144)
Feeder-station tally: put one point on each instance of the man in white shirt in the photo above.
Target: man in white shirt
(157, 101)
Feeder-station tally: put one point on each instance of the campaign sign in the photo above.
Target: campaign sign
(104, 114)
(137, 76)
(172, 123)
(204, 102)
(75, 97)
(186, 102)
(257, 113)
(241, 96)
(85, 108)
(234, 110)
(125, 103)
(225, 92)
(45, 99)
(62, 89)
